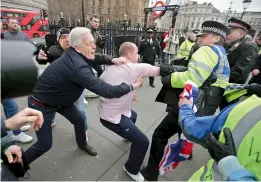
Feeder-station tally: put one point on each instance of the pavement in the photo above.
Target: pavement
(65, 162)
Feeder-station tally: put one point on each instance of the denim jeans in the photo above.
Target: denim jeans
(44, 134)
(165, 57)
(82, 108)
(140, 143)
(10, 109)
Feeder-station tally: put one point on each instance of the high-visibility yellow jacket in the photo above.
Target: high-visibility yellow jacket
(204, 61)
(185, 49)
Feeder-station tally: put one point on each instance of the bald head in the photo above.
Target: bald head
(129, 50)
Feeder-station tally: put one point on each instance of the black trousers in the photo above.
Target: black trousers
(44, 134)
(153, 64)
(166, 129)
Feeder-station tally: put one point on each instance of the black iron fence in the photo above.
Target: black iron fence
(115, 33)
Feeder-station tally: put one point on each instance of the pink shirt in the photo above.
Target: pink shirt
(112, 109)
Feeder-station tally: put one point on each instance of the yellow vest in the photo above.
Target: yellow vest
(245, 123)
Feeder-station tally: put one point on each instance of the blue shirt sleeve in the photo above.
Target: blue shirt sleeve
(232, 170)
(195, 127)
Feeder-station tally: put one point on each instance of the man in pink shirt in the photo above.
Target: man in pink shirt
(116, 114)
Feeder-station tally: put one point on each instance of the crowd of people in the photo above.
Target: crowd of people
(217, 58)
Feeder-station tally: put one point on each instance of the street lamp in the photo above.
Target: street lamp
(125, 19)
(61, 16)
(245, 5)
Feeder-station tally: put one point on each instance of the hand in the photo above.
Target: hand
(42, 55)
(119, 61)
(184, 100)
(16, 151)
(138, 82)
(24, 117)
(134, 98)
(219, 150)
(255, 72)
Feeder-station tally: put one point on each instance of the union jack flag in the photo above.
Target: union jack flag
(182, 149)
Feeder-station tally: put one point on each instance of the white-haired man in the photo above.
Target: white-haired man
(116, 113)
(62, 83)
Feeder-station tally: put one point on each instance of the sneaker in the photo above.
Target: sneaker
(86, 136)
(53, 124)
(85, 102)
(137, 177)
(25, 127)
(23, 138)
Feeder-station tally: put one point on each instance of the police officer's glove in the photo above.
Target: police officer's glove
(166, 80)
(166, 69)
(254, 89)
(219, 150)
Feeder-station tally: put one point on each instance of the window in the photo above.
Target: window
(192, 24)
(101, 2)
(93, 2)
(34, 20)
(109, 10)
(44, 28)
(198, 25)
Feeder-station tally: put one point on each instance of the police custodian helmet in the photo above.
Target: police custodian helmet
(214, 27)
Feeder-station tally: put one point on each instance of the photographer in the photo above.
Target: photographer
(12, 153)
(100, 42)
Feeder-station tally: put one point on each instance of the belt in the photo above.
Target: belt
(37, 102)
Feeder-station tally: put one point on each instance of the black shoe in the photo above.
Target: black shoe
(152, 85)
(148, 175)
(91, 151)
(190, 157)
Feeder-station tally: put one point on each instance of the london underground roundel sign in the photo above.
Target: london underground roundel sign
(158, 8)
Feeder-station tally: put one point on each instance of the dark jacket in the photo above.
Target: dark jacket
(149, 51)
(57, 51)
(241, 59)
(257, 65)
(62, 83)
(54, 53)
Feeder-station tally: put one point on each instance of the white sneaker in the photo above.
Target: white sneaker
(85, 102)
(53, 124)
(25, 127)
(137, 177)
(86, 136)
(23, 138)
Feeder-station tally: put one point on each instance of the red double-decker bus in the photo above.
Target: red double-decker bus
(30, 22)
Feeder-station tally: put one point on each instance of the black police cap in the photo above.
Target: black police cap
(236, 23)
(149, 30)
(214, 27)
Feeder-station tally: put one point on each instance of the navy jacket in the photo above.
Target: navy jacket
(62, 83)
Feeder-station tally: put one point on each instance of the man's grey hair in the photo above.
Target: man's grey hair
(75, 36)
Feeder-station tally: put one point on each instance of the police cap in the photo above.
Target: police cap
(149, 30)
(236, 23)
(214, 27)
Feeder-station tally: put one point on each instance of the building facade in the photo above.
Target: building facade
(191, 16)
(33, 5)
(109, 10)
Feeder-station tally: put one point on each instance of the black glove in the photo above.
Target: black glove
(218, 150)
(166, 80)
(166, 69)
(254, 89)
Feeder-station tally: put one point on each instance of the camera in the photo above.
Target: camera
(101, 42)
(19, 72)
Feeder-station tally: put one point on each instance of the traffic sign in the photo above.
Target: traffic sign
(158, 8)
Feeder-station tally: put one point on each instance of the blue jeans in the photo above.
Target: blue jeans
(165, 57)
(10, 109)
(81, 107)
(44, 134)
(140, 143)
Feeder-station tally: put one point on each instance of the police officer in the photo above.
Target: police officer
(235, 135)
(241, 53)
(148, 49)
(208, 59)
